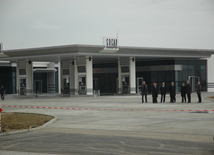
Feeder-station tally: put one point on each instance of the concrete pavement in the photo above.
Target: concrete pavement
(190, 128)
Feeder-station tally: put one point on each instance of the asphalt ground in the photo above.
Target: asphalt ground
(96, 126)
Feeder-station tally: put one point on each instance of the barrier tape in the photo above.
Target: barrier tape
(99, 109)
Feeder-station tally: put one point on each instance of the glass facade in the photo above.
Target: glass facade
(8, 79)
(189, 68)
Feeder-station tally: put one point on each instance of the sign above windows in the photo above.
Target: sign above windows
(111, 45)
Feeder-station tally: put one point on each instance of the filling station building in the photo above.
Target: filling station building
(109, 69)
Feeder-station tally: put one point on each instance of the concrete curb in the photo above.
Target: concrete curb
(207, 98)
(30, 129)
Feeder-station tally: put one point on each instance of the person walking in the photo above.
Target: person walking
(163, 90)
(189, 91)
(154, 92)
(183, 92)
(198, 89)
(2, 91)
(144, 91)
(172, 92)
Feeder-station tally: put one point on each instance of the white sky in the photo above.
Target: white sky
(143, 23)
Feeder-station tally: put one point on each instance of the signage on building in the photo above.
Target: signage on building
(111, 45)
(110, 42)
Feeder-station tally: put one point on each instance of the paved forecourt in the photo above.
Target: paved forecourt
(123, 116)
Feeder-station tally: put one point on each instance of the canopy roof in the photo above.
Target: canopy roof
(68, 52)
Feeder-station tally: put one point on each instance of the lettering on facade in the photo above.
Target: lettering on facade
(111, 42)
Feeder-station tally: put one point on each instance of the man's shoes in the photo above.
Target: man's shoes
(198, 102)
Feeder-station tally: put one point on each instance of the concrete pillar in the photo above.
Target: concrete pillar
(51, 78)
(25, 73)
(210, 74)
(75, 77)
(89, 75)
(119, 77)
(59, 77)
(72, 80)
(29, 75)
(132, 76)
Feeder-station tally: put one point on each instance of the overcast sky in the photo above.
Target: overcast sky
(143, 23)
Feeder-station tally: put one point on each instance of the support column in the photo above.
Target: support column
(119, 78)
(210, 74)
(29, 75)
(89, 75)
(72, 81)
(132, 76)
(51, 79)
(76, 82)
(59, 77)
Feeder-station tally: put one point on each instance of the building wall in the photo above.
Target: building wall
(8, 79)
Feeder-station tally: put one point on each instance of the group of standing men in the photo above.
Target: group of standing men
(2, 92)
(185, 89)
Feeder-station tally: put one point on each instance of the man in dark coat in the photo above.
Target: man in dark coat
(183, 93)
(189, 91)
(163, 90)
(154, 93)
(144, 91)
(198, 89)
(2, 91)
(172, 92)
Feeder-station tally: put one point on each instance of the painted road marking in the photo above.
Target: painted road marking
(100, 109)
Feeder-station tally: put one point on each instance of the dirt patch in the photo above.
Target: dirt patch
(20, 121)
(212, 97)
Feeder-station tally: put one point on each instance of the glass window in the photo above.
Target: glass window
(170, 76)
(191, 73)
(154, 76)
(161, 76)
(185, 75)
(185, 67)
(203, 67)
(203, 75)
(178, 76)
(191, 67)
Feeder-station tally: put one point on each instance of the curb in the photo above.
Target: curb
(207, 98)
(30, 129)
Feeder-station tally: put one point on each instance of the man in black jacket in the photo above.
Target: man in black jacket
(189, 91)
(172, 92)
(144, 91)
(163, 90)
(183, 92)
(2, 91)
(154, 93)
(198, 89)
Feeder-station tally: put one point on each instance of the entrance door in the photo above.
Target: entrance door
(125, 84)
(193, 81)
(23, 87)
(82, 85)
(66, 84)
(38, 86)
(139, 84)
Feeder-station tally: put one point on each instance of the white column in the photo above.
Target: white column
(72, 78)
(89, 75)
(29, 74)
(17, 79)
(119, 77)
(132, 76)
(210, 74)
(51, 78)
(59, 77)
(76, 82)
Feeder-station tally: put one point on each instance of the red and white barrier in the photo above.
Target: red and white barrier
(100, 109)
